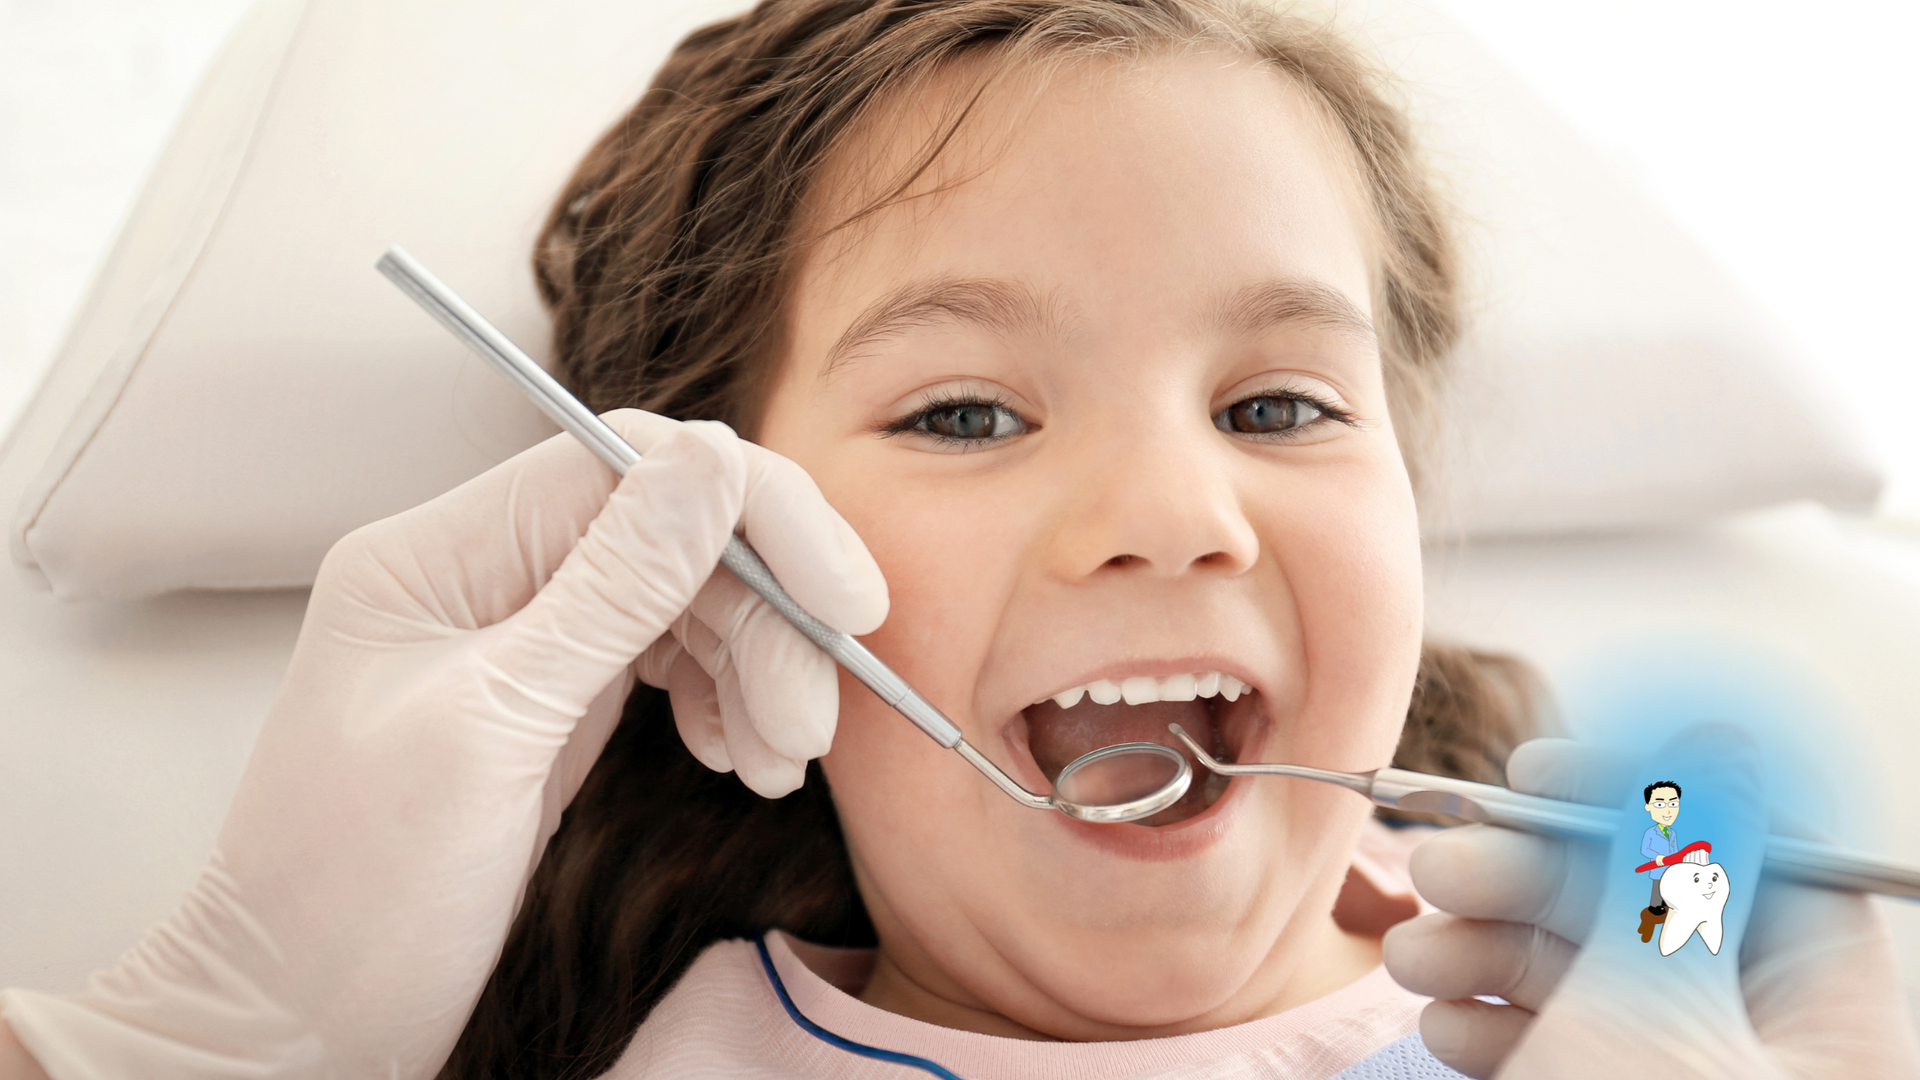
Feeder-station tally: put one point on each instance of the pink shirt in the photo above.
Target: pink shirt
(725, 1019)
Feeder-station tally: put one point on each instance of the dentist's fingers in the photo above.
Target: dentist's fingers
(626, 580)
(1571, 771)
(790, 689)
(1484, 872)
(1455, 960)
(748, 753)
(654, 665)
(711, 713)
(814, 554)
(696, 713)
(1490, 873)
(1598, 1022)
(644, 431)
(758, 765)
(1472, 1037)
(1444, 956)
(1822, 985)
(512, 527)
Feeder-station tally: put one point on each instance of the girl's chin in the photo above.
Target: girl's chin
(1145, 983)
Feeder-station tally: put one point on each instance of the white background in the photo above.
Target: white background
(1781, 134)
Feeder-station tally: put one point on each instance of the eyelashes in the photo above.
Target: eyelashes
(1278, 415)
(961, 421)
(973, 421)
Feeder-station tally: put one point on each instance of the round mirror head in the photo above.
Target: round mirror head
(1125, 782)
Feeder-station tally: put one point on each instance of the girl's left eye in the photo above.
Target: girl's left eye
(975, 421)
(1268, 414)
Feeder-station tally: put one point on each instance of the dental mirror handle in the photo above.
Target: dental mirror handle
(1401, 789)
(1807, 861)
(566, 410)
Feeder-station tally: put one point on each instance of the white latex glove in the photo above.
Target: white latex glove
(460, 667)
(1804, 983)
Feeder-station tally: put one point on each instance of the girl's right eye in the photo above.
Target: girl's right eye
(962, 423)
(1277, 414)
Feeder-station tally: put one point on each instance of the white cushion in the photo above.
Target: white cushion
(243, 389)
(1613, 378)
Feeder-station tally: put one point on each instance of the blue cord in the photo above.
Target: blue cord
(818, 1032)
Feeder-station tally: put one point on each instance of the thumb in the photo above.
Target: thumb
(638, 567)
(1672, 1004)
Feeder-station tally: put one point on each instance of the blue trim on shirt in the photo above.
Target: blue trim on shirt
(818, 1032)
(1403, 1059)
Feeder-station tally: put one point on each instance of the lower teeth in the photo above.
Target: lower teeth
(1214, 787)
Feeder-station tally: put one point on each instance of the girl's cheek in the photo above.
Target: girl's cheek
(946, 571)
(900, 796)
(1357, 581)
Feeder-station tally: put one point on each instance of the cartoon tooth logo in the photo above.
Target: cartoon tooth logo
(1695, 892)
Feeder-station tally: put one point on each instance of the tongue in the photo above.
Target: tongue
(1057, 736)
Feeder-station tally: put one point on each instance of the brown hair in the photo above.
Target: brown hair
(665, 264)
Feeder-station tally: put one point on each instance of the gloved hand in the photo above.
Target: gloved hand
(459, 669)
(1803, 983)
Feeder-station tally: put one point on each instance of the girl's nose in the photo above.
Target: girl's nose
(1160, 508)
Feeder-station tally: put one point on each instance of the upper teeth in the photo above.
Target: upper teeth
(1144, 688)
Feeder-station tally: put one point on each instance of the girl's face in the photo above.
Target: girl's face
(1106, 407)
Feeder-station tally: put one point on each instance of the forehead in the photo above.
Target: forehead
(1665, 793)
(1195, 171)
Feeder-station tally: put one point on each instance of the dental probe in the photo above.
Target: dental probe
(1805, 861)
(566, 410)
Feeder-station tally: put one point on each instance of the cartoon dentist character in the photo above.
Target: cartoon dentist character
(1689, 892)
(1660, 843)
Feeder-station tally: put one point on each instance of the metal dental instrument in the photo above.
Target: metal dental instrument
(1800, 860)
(1113, 784)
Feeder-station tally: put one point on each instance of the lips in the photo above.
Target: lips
(1057, 735)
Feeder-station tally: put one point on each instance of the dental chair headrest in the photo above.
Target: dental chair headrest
(241, 388)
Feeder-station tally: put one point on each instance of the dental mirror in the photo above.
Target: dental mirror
(1125, 782)
(1110, 785)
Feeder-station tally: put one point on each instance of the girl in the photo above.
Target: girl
(1104, 325)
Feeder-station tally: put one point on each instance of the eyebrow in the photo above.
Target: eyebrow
(1007, 307)
(1257, 308)
(1014, 307)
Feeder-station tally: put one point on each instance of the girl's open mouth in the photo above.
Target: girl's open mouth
(1217, 710)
